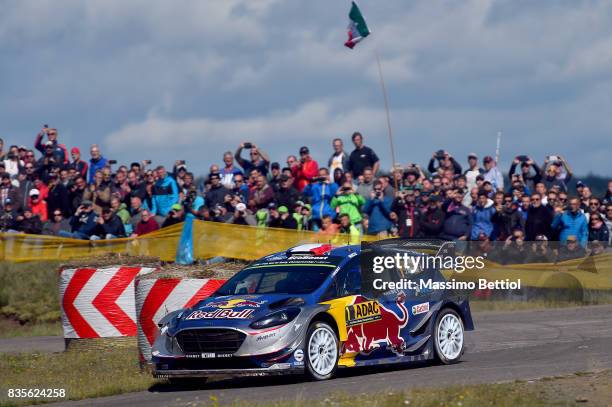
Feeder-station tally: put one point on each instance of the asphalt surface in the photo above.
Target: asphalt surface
(505, 346)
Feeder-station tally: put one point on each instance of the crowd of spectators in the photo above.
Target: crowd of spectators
(50, 190)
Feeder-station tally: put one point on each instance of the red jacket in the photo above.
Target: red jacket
(146, 227)
(304, 173)
(39, 208)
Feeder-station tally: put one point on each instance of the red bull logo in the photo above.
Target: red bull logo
(221, 314)
(235, 303)
(377, 325)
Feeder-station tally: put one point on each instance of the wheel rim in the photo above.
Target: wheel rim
(450, 336)
(322, 351)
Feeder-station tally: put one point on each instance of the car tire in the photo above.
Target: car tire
(321, 351)
(449, 336)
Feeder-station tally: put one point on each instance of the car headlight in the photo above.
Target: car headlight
(276, 318)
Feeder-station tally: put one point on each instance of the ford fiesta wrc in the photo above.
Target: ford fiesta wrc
(311, 309)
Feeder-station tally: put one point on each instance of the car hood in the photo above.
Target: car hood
(237, 311)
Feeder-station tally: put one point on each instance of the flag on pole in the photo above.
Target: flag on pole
(184, 252)
(357, 29)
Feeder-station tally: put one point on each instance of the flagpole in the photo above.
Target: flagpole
(499, 135)
(389, 130)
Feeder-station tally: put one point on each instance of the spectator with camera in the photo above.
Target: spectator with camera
(407, 214)
(529, 178)
(83, 222)
(258, 159)
(571, 249)
(217, 191)
(109, 226)
(279, 217)
(457, 218)
(320, 194)
(507, 218)
(362, 157)
(378, 209)
(347, 201)
(445, 162)
(175, 215)
(58, 151)
(242, 216)
(556, 172)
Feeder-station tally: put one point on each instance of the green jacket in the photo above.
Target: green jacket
(123, 214)
(350, 204)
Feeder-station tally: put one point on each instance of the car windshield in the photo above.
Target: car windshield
(277, 278)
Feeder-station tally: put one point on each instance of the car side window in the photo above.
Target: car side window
(350, 284)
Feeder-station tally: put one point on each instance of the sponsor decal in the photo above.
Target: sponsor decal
(420, 308)
(386, 330)
(208, 355)
(263, 337)
(362, 313)
(221, 314)
(234, 303)
(298, 355)
(298, 363)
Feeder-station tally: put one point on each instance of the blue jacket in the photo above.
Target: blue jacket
(569, 224)
(84, 223)
(482, 221)
(458, 222)
(320, 195)
(378, 214)
(165, 194)
(95, 166)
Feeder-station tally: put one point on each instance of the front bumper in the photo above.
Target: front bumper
(276, 369)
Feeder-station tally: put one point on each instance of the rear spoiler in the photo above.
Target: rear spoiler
(436, 247)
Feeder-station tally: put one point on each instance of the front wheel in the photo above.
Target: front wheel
(321, 351)
(449, 336)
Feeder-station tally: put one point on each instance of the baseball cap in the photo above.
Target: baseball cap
(48, 144)
(86, 202)
(184, 168)
(299, 203)
(572, 238)
(176, 207)
(308, 206)
(304, 150)
(34, 191)
(240, 207)
(541, 238)
(8, 201)
(472, 155)
(271, 205)
(22, 148)
(284, 177)
(488, 159)
(283, 209)
(580, 184)
(261, 215)
(275, 166)
(75, 150)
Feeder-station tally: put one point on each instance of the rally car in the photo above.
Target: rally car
(307, 310)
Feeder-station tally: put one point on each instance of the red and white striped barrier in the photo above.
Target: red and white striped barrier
(99, 303)
(156, 298)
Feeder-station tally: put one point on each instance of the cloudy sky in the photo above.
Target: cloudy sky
(188, 80)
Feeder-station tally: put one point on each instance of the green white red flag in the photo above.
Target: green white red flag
(357, 29)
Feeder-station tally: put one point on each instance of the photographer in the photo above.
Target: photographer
(540, 251)
(507, 218)
(378, 209)
(286, 195)
(217, 192)
(556, 172)
(445, 162)
(280, 218)
(529, 179)
(515, 249)
(320, 193)
(259, 159)
(261, 195)
(83, 222)
(175, 215)
(109, 226)
(409, 215)
(347, 201)
(242, 216)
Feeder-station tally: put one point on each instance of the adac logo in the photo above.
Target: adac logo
(235, 303)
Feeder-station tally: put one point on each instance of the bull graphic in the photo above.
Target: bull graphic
(367, 337)
(234, 303)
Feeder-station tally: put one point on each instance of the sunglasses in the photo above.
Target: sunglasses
(57, 214)
(535, 199)
(594, 204)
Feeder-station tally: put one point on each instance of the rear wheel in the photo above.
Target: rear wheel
(321, 351)
(449, 336)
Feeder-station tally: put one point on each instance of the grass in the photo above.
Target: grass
(83, 374)
(12, 329)
(29, 292)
